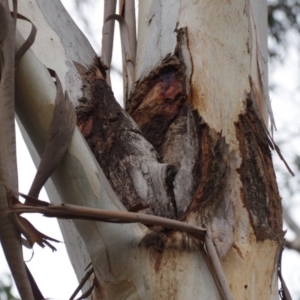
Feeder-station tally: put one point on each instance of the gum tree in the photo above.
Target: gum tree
(186, 165)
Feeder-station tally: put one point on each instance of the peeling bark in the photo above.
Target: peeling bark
(128, 160)
(188, 147)
(260, 192)
(182, 167)
(160, 107)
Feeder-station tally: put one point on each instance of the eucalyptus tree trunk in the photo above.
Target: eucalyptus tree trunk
(191, 145)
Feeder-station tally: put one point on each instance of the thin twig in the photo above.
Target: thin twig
(128, 14)
(284, 289)
(108, 35)
(127, 53)
(71, 211)
(293, 245)
(10, 237)
(88, 292)
(218, 267)
(274, 146)
(82, 283)
(290, 222)
(211, 268)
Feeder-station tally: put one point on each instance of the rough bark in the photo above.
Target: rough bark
(191, 145)
(129, 162)
(260, 193)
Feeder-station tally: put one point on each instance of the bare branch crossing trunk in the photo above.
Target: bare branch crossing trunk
(191, 145)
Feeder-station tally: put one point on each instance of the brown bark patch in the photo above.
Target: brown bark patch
(164, 245)
(189, 172)
(260, 192)
(158, 99)
(212, 171)
(129, 161)
(161, 108)
(155, 241)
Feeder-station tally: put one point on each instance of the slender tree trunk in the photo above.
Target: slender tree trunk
(192, 145)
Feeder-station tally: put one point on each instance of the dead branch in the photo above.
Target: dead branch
(108, 36)
(80, 212)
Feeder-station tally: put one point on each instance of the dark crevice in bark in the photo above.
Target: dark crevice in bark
(165, 157)
(129, 161)
(158, 107)
(161, 108)
(260, 192)
(212, 173)
(158, 100)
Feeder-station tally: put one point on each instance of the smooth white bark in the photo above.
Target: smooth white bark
(227, 45)
(125, 268)
(222, 49)
(80, 181)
